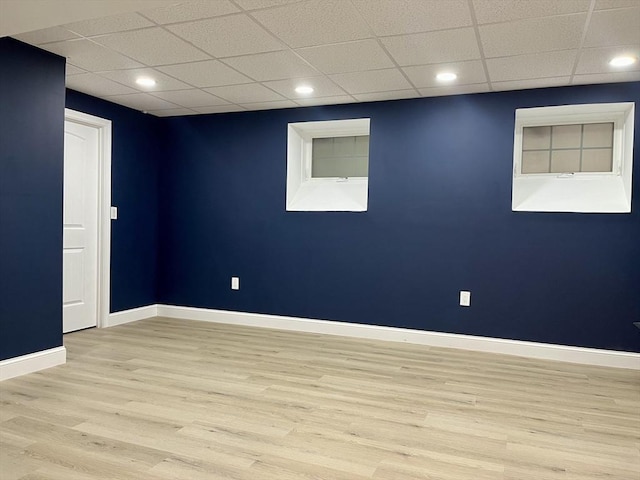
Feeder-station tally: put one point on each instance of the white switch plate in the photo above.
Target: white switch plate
(465, 298)
(114, 213)
(235, 283)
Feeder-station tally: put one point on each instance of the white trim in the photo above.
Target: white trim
(104, 207)
(132, 315)
(32, 362)
(544, 351)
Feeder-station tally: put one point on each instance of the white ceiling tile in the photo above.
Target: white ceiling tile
(532, 35)
(220, 109)
(433, 47)
(210, 73)
(390, 95)
(454, 90)
(490, 11)
(249, 93)
(47, 35)
(606, 78)
(537, 65)
(256, 4)
(270, 105)
(141, 101)
(607, 4)
(228, 36)
(192, 10)
(73, 70)
(172, 112)
(272, 66)
(90, 56)
(596, 60)
(153, 46)
(425, 75)
(347, 57)
(310, 102)
(322, 87)
(526, 43)
(314, 22)
(114, 23)
(96, 85)
(128, 77)
(400, 17)
(526, 84)
(372, 81)
(190, 98)
(614, 27)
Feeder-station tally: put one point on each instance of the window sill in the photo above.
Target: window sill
(330, 195)
(579, 194)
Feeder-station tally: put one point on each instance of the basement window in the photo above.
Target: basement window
(574, 158)
(328, 165)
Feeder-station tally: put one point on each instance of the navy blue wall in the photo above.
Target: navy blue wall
(439, 221)
(31, 172)
(138, 142)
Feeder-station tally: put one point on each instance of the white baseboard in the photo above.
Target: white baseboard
(544, 351)
(132, 315)
(32, 362)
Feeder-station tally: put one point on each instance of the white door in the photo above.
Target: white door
(80, 235)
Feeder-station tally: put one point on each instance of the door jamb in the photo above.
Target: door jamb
(104, 208)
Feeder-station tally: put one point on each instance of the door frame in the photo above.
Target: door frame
(103, 126)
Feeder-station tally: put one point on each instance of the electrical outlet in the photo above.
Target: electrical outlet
(465, 298)
(235, 283)
(114, 213)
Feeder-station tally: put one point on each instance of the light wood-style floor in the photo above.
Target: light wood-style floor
(169, 399)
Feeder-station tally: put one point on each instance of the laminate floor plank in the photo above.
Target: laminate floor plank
(166, 399)
(14, 463)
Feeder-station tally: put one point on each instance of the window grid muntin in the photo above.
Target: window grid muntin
(550, 150)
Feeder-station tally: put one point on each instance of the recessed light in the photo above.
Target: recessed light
(145, 81)
(623, 61)
(446, 77)
(304, 90)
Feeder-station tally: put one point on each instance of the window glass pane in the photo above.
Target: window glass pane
(362, 145)
(597, 160)
(566, 136)
(322, 147)
(340, 157)
(568, 148)
(536, 138)
(535, 161)
(344, 146)
(565, 161)
(598, 135)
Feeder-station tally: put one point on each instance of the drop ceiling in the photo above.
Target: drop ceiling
(214, 56)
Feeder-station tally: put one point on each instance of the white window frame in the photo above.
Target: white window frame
(584, 192)
(305, 193)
